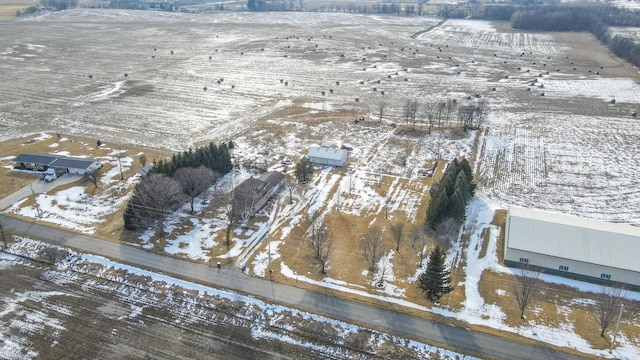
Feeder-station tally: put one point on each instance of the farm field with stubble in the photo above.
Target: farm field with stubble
(570, 150)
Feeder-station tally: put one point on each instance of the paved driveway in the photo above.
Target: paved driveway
(37, 187)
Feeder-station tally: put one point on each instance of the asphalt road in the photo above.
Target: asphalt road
(432, 332)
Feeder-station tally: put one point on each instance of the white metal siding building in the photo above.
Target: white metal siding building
(321, 155)
(571, 246)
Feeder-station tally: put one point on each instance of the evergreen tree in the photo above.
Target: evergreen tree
(457, 206)
(449, 197)
(464, 166)
(463, 187)
(304, 170)
(436, 280)
(437, 208)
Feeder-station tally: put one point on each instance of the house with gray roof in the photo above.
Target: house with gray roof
(252, 194)
(62, 163)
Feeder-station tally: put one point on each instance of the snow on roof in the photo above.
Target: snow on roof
(73, 162)
(326, 153)
(574, 238)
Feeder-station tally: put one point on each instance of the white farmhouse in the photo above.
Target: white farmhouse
(573, 247)
(327, 155)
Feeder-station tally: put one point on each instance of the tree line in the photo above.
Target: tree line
(49, 5)
(595, 19)
(215, 157)
(450, 195)
(172, 182)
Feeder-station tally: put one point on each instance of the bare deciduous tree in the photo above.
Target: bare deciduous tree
(385, 269)
(231, 215)
(371, 246)
(430, 113)
(382, 106)
(419, 238)
(91, 176)
(290, 184)
(526, 288)
(473, 115)
(320, 240)
(465, 116)
(194, 181)
(481, 113)
(154, 198)
(447, 232)
(397, 231)
(3, 231)
(451, 106)
(608, 303)
(441, 107)
(411, 108)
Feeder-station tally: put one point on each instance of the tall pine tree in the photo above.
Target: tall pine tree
(466, 168)
(435, 281)
(449, 197)
(304, 170)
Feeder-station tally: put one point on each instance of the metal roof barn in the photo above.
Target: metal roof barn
(327, 156)
(565, 244)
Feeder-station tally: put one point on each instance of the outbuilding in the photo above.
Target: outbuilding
(321, 155)
(573, 247)
(61, 163)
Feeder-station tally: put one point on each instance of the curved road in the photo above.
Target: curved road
(433, 332)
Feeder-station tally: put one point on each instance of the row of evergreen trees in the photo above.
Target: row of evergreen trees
(449, 196)
(215, 157)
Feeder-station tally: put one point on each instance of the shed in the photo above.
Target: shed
(328, 156)
(574, 247)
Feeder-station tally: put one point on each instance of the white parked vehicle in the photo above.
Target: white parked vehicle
(50, 175)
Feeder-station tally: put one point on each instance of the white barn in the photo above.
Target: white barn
(321, 155)
(573, 247)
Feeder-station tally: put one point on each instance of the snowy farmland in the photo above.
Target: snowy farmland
(139, 308)
(261, 68)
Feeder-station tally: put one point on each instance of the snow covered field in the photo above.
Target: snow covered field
(137, 296)
(274, 67)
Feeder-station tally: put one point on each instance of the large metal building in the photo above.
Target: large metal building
(574, 247)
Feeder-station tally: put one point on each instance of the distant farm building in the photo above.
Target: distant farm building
(328, 155)
(573, 247)
(65, 164)
(251, 195)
